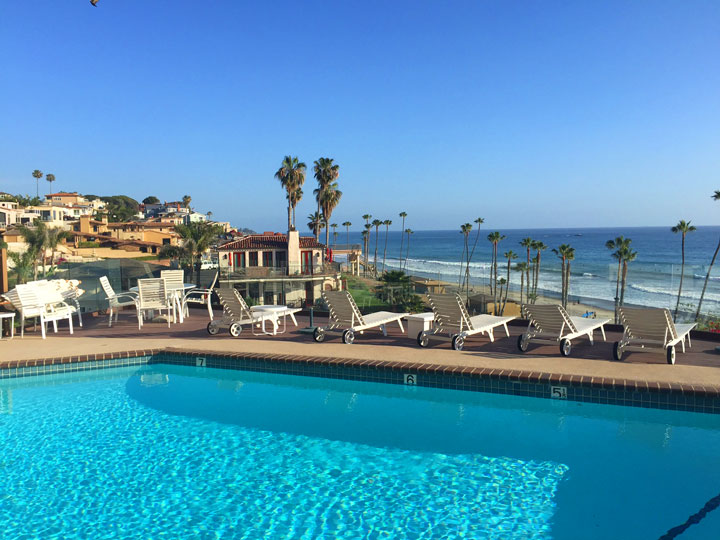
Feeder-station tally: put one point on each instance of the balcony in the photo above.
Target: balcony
(279, 272)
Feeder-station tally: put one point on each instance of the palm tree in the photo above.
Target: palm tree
(522, 268)
(403, 215)
(347, 226)
(479, 221)
(292, 176)
(407, 253)
(35, 238)
(329, 200)
(37, 175)
(501, 282)
(376, 223)
(510, 256)
(334, 228)
(293, 199)
(23, 264)
(465, 231)
(315, 222)
(387, 224)
(196, 237)
(209, 214)
(683, 228)
(186, 201)
(494, 238)
(55, 235)
(627, 255)
(50, 178)
(539, 247)
(527, 243)
(366, 238)
(564, 253)
(569, 256)
(715, 197)
(620, 244)
(365, 234)
(326, 173)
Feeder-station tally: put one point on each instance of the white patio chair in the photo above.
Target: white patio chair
(346, 319)
(200, 296)
(30, 305)
(174, 283)
(651, 329)
(453, 323)
(116, 301)
(552, 324)
(153, 296)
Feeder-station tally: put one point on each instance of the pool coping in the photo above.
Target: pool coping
(629, 392)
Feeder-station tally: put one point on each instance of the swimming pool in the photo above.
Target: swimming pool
(183, 452)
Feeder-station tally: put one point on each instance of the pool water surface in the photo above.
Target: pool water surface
(165, 451)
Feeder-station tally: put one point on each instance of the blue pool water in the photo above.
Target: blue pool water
(177, 452)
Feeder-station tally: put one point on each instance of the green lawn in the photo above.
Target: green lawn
(364, 296)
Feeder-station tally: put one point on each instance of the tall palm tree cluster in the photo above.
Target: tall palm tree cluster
(291, 175)
(37, 175)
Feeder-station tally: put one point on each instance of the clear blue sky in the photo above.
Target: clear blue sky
(529, 114)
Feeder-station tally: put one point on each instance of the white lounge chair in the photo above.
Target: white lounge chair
(200, 296)
(236, 314)
(26, 300)
(453, 323)
(346, 319)
(115, 300)
(153, 296)
(175, 288)
(651, 329)
(552, 324)
(52, 291)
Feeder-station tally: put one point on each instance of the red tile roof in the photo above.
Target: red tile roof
(263, 241)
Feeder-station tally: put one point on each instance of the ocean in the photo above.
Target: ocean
(653, 278)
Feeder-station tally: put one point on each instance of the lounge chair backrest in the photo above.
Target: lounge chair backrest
(152, 293)
(174, 279)
(343, 309)
(107, 288)
(214, 281)
(654, 324)
(27, 300)
(549, 318)
(451, 316)
(233, 304)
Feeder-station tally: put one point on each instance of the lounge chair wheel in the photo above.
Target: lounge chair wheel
(522, 343)
(422, 339)
(671, 355)
(235, 329)
(617, 351)
(213, 328)
(458, 342)
(565, 347)
(319, 334)
(348, 337)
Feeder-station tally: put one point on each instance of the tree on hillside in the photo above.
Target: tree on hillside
(54, 236)
(37, 175)
(35, 238)
(291, 175)
(186, 200)
(683, 228)
(151, 200)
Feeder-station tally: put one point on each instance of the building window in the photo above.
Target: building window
(267, 258)
(306, 262)
(239, 260)
(166, 241)
(280, 259)
(253, 258)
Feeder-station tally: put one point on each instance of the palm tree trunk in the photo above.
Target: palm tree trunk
(567, 285)
(327, 234)
(289, 216)
(507, 287)
(467, 272)
(461, 283)
(317, 230)
(707, 278)
(682, 274)
(623, 282)
(527, 278)
(522, 286)
(495, 299)
(407, 253)
(537, 277)
(402, 238)
(617, 290)
(387, 228)
(377, 236)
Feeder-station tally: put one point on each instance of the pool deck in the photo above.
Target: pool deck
(696, 370)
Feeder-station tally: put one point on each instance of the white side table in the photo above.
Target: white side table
(10, 316)
(419, 323)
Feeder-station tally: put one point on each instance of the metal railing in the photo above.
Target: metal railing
(260, 272)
